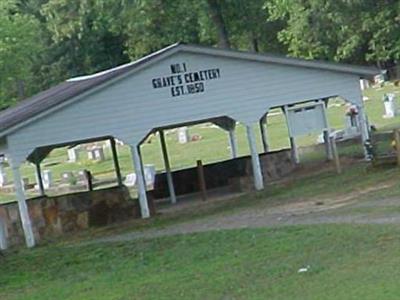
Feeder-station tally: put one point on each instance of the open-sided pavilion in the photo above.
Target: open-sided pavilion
(176, 86)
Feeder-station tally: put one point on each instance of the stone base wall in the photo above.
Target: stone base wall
(236, 173)
(55, 216)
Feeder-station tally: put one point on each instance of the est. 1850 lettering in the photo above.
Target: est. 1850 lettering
(187, 89)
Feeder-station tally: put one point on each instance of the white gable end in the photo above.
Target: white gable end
(183, 87)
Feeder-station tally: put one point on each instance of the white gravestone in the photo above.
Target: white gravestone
(96, 153)
(47, 178)
(183, 135)
(389, 101)
(107, 144)
(66, 176)
(130, 180)
(73, 154)
(149, 174)
(364, 84)
(3, 176)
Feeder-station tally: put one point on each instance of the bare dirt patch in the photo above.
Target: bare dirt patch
(311, 211)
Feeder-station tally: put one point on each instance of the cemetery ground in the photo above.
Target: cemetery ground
(343, 231)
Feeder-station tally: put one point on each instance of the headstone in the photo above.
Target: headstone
(352, 122)
(73, 154)
(3, 176)
(96, 153)
(389, 101)
(118, 142)
(66, 176)
(364, 84)
(81, 175)
(130, 180)
(25, 183)
(379, 79)
(149, 174)
(107, 144)
(183, 135)
(47, 178)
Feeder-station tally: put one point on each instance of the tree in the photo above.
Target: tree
(215, 9)
(19, 48)
(356, 31)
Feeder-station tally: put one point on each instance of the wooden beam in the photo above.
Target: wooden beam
(23, 208)
(39, 178)
(397, 141)
(328, 146)
(144, 207)
(335, 155)
(255, 159)
(116, 161)
(202, 180)
(167, 167)
(263, 130)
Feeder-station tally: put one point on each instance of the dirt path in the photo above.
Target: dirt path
(347, 209)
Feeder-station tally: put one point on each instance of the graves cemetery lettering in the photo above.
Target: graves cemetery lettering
(185, 82)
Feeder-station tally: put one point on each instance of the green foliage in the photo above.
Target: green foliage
(19, 48)
(43, 42)
(354, 31)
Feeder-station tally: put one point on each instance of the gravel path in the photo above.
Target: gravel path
(341, 210)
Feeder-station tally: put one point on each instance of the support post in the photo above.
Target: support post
(233, 143)
(365, 137)
(202, 180)
(397, 141)
(144, 207)
(295, 153)
(293, 148)
(255, 159)
(89, 180)
(23, 208)
(264, 133)
(167, 167)
(116, 162)
(335, 155)
(39, 178)
(328, 146)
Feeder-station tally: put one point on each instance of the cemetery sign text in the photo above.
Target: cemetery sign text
(183, 82)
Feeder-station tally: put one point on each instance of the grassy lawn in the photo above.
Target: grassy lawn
(346, 262)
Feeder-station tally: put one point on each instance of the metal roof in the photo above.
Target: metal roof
(41, 103)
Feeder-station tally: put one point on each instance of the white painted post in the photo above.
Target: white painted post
(116, 162)
(144, 207)
(264, 133)
(293, 148)
(233, 143)
(328, 146)
(167, 167)
(255, 159)
(295, 152)
(23, 208)
(3, 235)
(363, 128)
